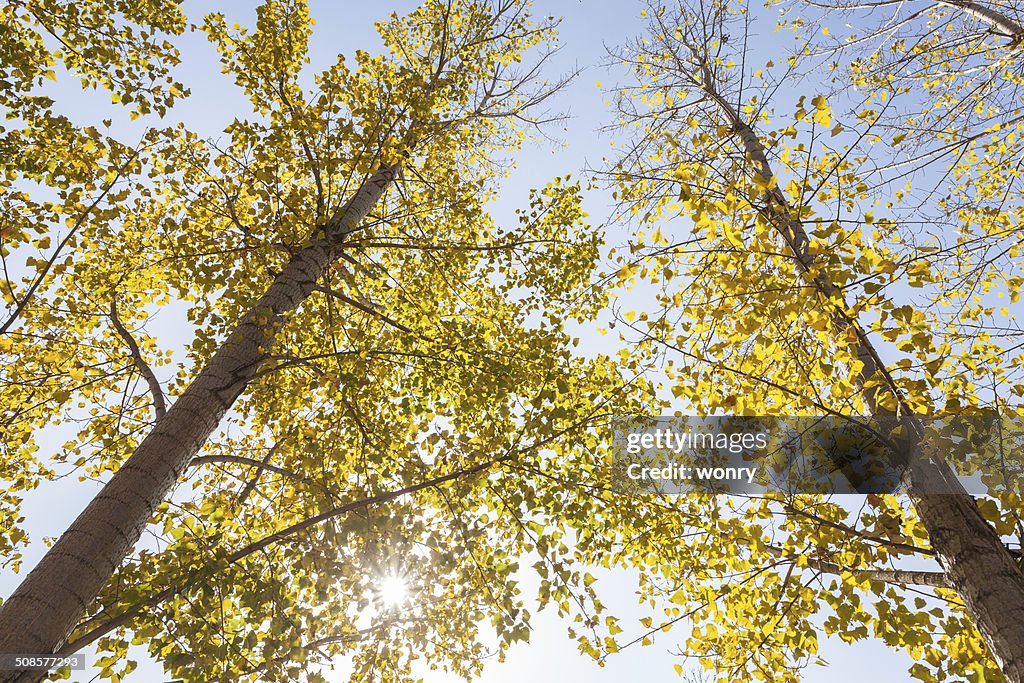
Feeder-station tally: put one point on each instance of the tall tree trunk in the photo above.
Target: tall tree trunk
(48, 604)
(976, 563)
(978, 567)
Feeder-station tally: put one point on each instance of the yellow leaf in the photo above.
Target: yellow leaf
(732, 234)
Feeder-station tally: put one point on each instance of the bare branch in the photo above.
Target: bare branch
(159, 405)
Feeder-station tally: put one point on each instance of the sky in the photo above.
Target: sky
(550, 657)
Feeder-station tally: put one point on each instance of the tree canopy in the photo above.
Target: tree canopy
(314, 366)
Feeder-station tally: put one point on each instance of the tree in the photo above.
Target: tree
(386, 358)
(812, 284)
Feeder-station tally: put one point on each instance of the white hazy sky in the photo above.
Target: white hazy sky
(550, 657)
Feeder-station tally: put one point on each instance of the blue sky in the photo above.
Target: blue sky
(550, 657)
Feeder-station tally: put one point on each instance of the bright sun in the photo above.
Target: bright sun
(393, 590)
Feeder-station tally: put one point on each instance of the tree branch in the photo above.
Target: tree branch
(898, 576)
(1000, 23)
(895, 545)
(159, 405)
(362, 307)
(260, 464)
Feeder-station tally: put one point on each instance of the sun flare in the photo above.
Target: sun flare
(393, 590)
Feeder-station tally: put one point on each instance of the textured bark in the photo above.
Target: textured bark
(48, 604)
(977, 565)
(973, 558)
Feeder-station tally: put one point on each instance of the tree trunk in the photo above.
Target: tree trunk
(976, 563)
(48, 604)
